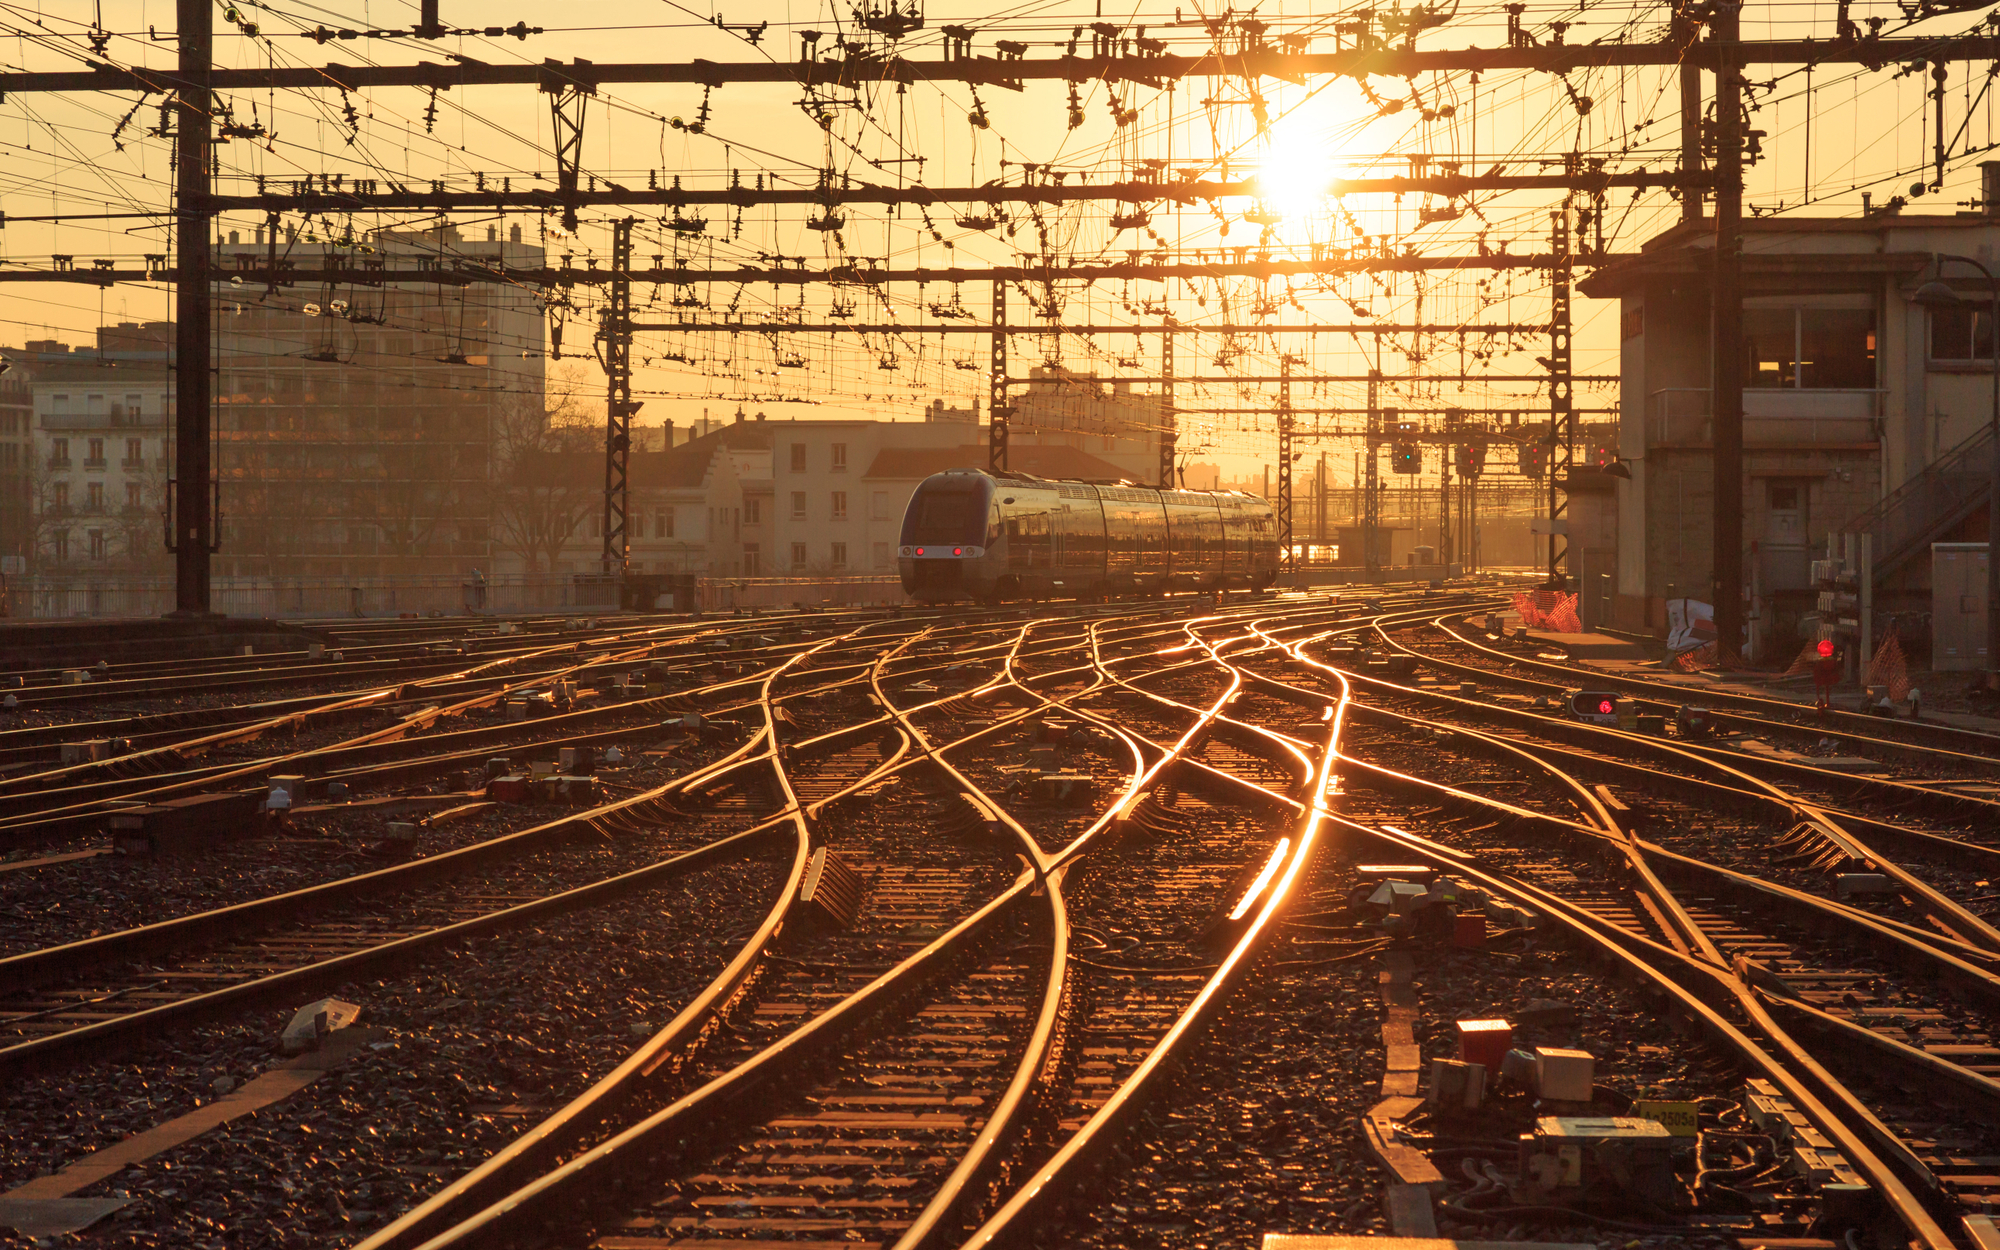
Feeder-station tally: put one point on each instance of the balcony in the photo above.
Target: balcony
(1772, 417)
(61, 462)
(93, 462)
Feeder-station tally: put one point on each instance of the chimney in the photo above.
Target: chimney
(513, 234)
(739, 415)
(667, 429)
(492, 233)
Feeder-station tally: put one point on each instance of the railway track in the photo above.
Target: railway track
(1047, 852)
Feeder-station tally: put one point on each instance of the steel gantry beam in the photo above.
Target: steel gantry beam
(366, 195)
(1169, 417)
(1168, 329)
(862, 70)
(338, 271)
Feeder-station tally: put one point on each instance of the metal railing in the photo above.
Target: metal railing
(1910, 517)
(1787, 416)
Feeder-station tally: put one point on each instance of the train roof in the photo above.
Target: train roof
(1015, 475)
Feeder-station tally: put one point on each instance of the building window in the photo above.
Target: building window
(753, 512)
(95, 460)
(798, 505)
(134, 407)
(798, 556)
(97, 544)
(597, 526)
(60, 497)
(840, 457)
(1810, 348)
(59, 453)
(839, 555)
(878, 506)
(798, 457)
(62, 545)
(1962, 334)
(95, 496)
(663, 524)
(132, 496)
(749, 559)
(879, 554)
(135, 453)
(840, 505)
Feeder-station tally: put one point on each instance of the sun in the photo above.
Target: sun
(1296, 169)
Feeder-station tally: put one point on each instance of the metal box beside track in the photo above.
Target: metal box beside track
(191, 823)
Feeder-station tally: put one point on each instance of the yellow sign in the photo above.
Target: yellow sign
(1678, 1118)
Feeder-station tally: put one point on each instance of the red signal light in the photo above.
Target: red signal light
(1826, 648)
(920, 551)
(1604, 707)
(958, 551)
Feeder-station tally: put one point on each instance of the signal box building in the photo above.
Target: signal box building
(1863, 411)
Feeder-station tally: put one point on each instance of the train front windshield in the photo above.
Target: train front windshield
(945, 517)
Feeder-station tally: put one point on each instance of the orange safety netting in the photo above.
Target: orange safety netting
(1889, 668)
(1808, 656)
(1549, 610)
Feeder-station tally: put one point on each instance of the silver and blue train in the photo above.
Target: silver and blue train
(973, 534)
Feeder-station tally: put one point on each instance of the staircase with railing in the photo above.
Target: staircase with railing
(1924, 509)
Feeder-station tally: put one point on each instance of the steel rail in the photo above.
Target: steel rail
(1889, 1180)
(561, 1131)
(545, 1202)
(1944, 910)
(1029, 1203)
(1887, 746)
(1667, 692)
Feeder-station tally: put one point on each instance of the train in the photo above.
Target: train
(996, 535)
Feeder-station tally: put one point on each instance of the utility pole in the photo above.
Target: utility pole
(997, 409)
(615, 334)
(1445, 453)
(1726, 315)
(1285, 536)
(192, 539)
(1169, 423)
(1319, 504)
(1686, 33)
(1371, 496)
(1562, 408)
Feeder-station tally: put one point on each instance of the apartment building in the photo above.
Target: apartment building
(831, 518)
(95, 465)
(358, 423)
(17, 444)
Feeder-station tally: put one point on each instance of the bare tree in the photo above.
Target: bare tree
(538, 498)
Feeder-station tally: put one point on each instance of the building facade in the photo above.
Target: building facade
(1058, 407)
(1856, 400)
(358, 424)
(96, 472)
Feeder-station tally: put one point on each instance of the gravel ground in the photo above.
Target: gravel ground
(67, 902)
(1262, 1131)
(521, 1019)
